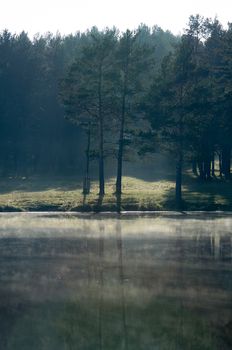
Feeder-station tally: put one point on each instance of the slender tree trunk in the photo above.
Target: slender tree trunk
(179, 166)
(213, 164)
(220, 163)
(201, 170)
(194, 167)
(226, 161)
(88, 153)
(101, 136)
(179, 162)
(120, 156)
(122, 125)
(120, 146)
(207, 167)
(86, 185)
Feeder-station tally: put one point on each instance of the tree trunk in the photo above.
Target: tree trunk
(201, 170)
(86, 184)
(194, 167)
(179, 162)
(213, 164)
(101, 137)
(119, 165)
(101, 163)
(220, 163)
(121, 135)
(226, 161)
(179, 166)
(207, 167)
(120, 146)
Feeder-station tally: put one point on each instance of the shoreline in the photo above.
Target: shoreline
(124, 213)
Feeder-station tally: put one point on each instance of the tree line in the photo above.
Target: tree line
(35, 139)
(126, 92)
(124, 99)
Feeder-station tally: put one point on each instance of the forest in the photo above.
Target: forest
(69, 105)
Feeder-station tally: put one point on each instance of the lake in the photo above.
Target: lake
(101, 281)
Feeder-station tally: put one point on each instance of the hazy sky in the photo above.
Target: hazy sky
(72, 15)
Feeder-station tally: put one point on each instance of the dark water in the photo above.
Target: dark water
(95, 282)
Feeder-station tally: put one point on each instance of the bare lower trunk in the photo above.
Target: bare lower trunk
(213, 164)
(220, 163)
(101, 137)
(120, 146)
(226, 161)
(179, 166)
(120, 157)
(86, 184)
(194, 167)
(207, 167)
(101, 167)
(122, 121)
(179, 162)
(201, 170)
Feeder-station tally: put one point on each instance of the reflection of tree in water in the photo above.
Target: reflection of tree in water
(101, 282)
(216, 245)
(203, 248)
(181, 258)
(87, 249)
(165, 305)
(90, 322)
(121, 283)
(81, 324)
(12, 308)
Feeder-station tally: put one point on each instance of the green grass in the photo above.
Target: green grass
(40, 194)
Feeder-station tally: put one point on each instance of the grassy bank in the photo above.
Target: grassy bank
(40, 194)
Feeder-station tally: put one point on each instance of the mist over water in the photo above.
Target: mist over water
(115, 282)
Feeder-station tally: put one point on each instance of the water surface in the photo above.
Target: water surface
(115, 282)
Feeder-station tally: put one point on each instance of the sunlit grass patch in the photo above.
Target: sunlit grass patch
(66, 195)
